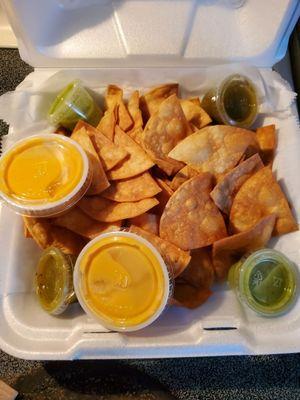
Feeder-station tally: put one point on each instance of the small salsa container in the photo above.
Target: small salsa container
(43, 175)
(54, 281)
(129, 300)
(265, 281)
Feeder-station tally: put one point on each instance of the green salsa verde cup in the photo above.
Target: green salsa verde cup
(72, 104)
(266, 281)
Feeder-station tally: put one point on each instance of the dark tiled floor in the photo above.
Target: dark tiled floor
(265, 377)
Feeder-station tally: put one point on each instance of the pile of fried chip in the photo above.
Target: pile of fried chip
(204, 195)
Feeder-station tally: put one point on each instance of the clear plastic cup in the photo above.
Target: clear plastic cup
(54, 281)
(72, 104)
(113, 299)
(266, 281)
(233, 102)
(43, 175)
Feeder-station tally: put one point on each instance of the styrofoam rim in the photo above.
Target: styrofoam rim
(51, 206)
(90, 312)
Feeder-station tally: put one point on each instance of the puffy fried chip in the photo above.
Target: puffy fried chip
(114, 102)
(194, 113)
(176, 259)
(229, 250)
(163, 197)
(192, 287)
(107, 124)
(190, 219)
(134, 111)
(258, 197)
(110, 154)
(148, 222)
(225, 191)
(77, 221)
(104, 210)
(132, 189)
(182, 176)
(151, 100)
(163, 131)
(137, 161)
(124, 119)
(26, 231)
(215, 149)
(45, 235)
(186, 295)
(99, 180)
(266, 137)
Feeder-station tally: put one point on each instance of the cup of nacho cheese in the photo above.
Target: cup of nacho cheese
(121, 280)
(43, 175)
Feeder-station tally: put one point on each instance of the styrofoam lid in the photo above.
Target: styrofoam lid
(134, 33)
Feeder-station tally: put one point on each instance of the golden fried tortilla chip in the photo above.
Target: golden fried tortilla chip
(194, 113)
(200, 271)
(104, 210)
(182, 176)
(215, 149)
(132, 189)
(163, 131)
(225, 191)
(162, 197)
(107, 124)
(45, 235)
(228, 251)
(134, 111)
(150, 102)
(110, 154)
(114, 102)
(148, 222)
(258, 197)
(266, 137)
(137, 161)
(99, 180)
(176, 259)
(77, 221)
(26, 231)
(192, 287)
(186, 295)
(190, 219)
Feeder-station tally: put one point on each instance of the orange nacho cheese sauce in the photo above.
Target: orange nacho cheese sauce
(40, 170)
(122, 281)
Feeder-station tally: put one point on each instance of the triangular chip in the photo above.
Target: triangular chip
(77, 221)
(163, 197)
(266, 138)
(182, 176)
(190, 219)
(258, 197)
(132, 189)
(228, 251)
(107, 124)
(192, 287)
(194, 113)
(151, 100)
(46, 235)
(215, 149)
(114, 102)
(99, 180)
(148, 222)
(124, 119)
(176, 259)
(225, 191)
(137, 161)
(163, 131)
(134, 111)
(110, 154)
(104, 210)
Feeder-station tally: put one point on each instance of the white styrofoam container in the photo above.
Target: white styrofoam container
(97, 36)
